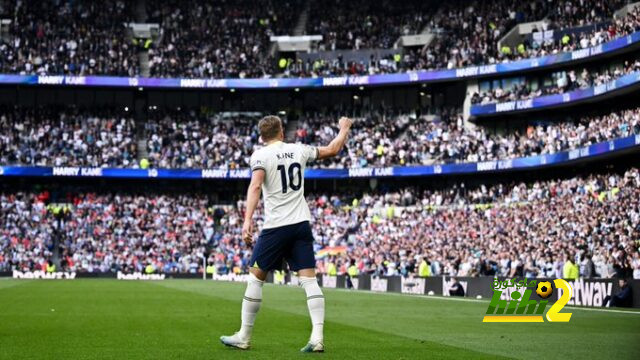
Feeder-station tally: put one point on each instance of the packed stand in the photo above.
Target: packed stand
(102, 233)
(190, 139)
(403, 140)
(599, 35)
(225, 39)
(67, 38)
(568, 14)
(372, 139)
(363, 24)
(469, 34)
(200, 140)
(566, 82)
(47, 137)
(477, 42)
(506, 229)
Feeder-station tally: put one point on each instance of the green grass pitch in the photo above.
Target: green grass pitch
(183, 319)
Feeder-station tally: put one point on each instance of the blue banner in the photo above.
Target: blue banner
(339, 81)
(402, 171)
(542, 102)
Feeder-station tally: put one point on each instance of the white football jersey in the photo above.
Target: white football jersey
(283, 186)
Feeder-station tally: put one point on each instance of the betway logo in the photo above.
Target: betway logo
(43, 275)
(140, 276)
(588, 293)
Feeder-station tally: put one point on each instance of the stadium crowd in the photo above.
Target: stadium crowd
(104, 233)
(218, 40)
(509, 229)
(468, 35)
(477, 44)
(48, 137)
(384, 141)
(363, 24)
(568, 14)
(82, 37)
(232, 38)
(191, 139)
(565, 82)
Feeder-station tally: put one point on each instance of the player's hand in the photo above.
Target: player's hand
(345, 123)
(247, 233)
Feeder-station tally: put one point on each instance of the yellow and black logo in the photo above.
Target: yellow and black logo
(523, 309)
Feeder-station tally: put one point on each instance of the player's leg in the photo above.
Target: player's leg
(267, 252)
(315, 303)
(251, 301)
(250, 307)
(302, 259)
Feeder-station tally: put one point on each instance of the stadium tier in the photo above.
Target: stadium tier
(189, 139)
(75, 38)
(507, 229)
(564, 83)
(234, 38)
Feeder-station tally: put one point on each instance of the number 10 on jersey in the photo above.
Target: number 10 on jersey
(295, 178)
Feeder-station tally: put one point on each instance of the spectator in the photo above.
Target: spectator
(624, 298)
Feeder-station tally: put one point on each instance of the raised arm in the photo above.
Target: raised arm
(336, 144)
(253, 196)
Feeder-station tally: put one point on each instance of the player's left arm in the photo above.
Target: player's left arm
(253, 196)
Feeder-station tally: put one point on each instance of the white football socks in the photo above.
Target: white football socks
(315, 302)
(250, 306)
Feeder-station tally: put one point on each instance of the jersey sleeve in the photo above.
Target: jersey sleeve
(257, 162)
(309, 153)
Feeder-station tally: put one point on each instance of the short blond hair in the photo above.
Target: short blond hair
(270, 127)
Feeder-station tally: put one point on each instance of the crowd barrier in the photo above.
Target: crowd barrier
(586, 292)
(622, 84)
(559, 158)
(622, 44)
